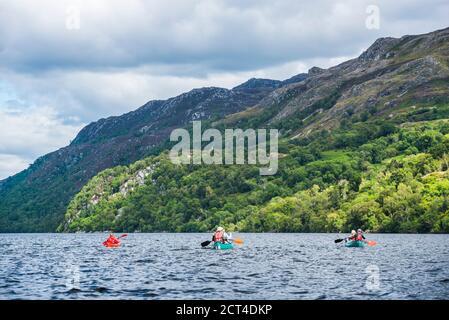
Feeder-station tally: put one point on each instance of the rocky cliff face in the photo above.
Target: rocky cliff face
(392, 74)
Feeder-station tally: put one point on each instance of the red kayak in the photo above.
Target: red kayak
(111, 245)
(113, 242)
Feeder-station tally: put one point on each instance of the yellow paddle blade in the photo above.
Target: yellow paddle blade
(238, 241)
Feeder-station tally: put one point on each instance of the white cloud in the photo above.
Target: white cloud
(27, 134)
(10, 164)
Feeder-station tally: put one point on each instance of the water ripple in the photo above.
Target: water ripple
(267, 266)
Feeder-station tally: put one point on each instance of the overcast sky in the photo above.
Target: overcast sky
(66, 63)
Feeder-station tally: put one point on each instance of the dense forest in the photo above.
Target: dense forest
(379, 175)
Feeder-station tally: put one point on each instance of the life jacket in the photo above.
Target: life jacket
(218, 236)
(359, 237)
(112, 240)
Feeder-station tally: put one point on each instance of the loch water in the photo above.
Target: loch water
(266, 266)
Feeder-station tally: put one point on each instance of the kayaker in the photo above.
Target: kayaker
(112, 239)
(220, 235)
(356, 236)
(360, 236)
(353, 235)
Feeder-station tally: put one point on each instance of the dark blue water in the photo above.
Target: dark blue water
(267, 266)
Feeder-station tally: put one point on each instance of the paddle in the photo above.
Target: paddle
(371, 243)
(237, 241)
(339, 240)
(205, 243)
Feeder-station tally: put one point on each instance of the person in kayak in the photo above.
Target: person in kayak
(356, 236)
(220, 235)
(353, 236)
(360, 236)
(112, 239)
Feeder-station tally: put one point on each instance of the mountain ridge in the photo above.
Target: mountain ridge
(379, 69)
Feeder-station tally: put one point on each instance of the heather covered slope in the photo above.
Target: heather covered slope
(390, 77)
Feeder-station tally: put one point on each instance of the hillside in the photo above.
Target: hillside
(385, 81)
(35, 199)
(394, 181)
(365, 144)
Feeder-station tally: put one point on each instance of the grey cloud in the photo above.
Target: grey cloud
(216, 35)
(34, 132)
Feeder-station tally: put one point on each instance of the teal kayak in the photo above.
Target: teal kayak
(223, 246)
(355, 243)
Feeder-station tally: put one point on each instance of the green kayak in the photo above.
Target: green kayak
(358, 244)
(223, 246)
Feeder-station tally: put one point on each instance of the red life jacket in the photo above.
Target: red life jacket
(112, 240)
(359, 237)
(218, 236)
